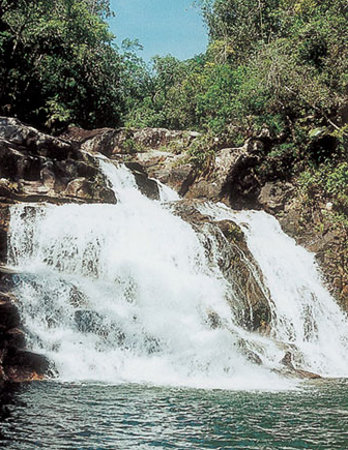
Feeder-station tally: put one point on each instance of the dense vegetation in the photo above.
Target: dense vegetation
(275, 65)
(282, 63)
(57, 63)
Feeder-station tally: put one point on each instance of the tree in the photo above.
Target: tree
(58, 64)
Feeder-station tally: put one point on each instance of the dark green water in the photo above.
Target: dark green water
(68, 416)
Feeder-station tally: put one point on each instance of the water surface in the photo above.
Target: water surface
(75, 416)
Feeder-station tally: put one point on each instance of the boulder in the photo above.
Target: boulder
(291, 370)
(20, 366)
(16, 363)
(274, 195)
(173, 170)
(9, 315)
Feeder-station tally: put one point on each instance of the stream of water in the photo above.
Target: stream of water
(123, 293)
(118, 297)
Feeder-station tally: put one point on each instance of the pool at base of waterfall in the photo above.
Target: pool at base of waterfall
(97, 416)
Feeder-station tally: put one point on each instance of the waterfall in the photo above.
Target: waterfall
(304, 314)
(125, 294)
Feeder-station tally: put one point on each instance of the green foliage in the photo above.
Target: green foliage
(328, 183)
(337, 180)
(131, 146)
(57, 63)
(202, 152)
(282, 64)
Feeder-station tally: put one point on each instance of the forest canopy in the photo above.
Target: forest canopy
(279, 63)
(58, 64)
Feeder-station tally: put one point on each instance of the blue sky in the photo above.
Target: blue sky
(162, 26)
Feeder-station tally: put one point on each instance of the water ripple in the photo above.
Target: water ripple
(68, 416)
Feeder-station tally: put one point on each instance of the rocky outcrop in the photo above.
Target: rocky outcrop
(274, 196)
(155, 152)
(111, 142)
(176, 171)
(230, 179)
(146, 185)
(35, 167)
(291, 371)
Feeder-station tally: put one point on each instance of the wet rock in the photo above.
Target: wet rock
(20, 366)
(146, 185)
(15, 337)
(4, 226)
(77, 298)
(213, 320)
(173, 170)
(9, 315)
(16, 363)
(292, 370)
(84, 190)
(7, 280)
(239, 266)
(287, 361)
(244, 348)
(225, 244)
(88, 321)
(151, 344)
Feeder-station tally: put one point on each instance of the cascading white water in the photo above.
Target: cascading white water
(305, 315)
(123, 293)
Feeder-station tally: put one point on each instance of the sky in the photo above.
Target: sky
(162, 26)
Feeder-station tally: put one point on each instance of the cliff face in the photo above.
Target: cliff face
(36, 168)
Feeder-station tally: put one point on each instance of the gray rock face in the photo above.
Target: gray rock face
(230, 178)
(37, 167)
(111, 142)
(146, 185)
(171, 169)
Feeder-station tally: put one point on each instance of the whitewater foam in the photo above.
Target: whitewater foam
(122, 293)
